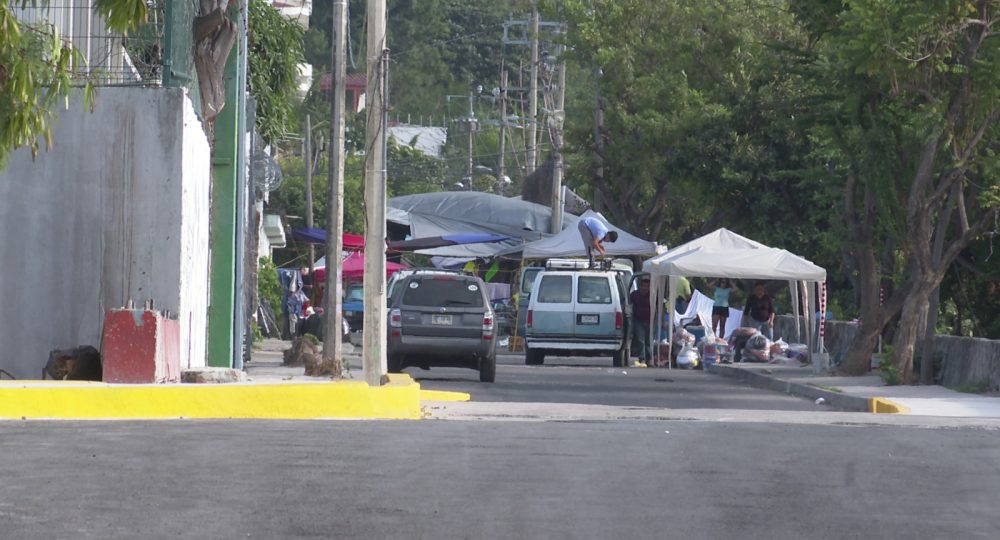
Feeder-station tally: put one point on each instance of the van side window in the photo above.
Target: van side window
(556, 290)
(593, 290)
(528, 279)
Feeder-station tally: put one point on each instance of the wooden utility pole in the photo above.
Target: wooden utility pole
(307, 159)
(503, 131)
(533, 94)
(333, 316)
(558, 117)
(599, 145)
(470, 123)
(374, 350)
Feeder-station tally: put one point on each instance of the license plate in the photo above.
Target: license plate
(589, 319)
(441, 319)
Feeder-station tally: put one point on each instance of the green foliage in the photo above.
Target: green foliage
(122, 15)
(35, 74)
(268, 286)
(890, 372)
(275, 50)
(439, 47)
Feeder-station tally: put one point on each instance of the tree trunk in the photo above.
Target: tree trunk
(927, 345)
(908, 329)
(858, 358)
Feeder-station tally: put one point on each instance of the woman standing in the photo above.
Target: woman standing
(720, 310)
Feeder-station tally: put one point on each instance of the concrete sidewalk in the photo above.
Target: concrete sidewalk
(864, 393)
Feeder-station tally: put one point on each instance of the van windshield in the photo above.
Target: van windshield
(556, 290)
(443, 292)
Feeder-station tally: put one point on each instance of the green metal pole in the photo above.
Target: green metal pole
(222, 269)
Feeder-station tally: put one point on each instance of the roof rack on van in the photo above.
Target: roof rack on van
(417, 270)
(567, 264)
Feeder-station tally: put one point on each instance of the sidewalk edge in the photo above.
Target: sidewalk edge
(769, 382)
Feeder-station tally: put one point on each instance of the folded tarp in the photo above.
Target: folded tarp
(446, 240)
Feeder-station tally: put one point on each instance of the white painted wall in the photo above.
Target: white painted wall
(117, 210)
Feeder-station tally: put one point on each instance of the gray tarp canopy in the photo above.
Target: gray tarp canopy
(569, 244)
(455, 212)
(724, 253)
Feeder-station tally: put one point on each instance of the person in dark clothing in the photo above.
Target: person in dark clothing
(640, 319)
(759, 311)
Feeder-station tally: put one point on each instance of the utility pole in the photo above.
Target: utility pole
(333, 317)
(599, 144)
(307, 159)
(470, 122)
(533, 93)
(558, 117)
(503, 131)
(373, 351)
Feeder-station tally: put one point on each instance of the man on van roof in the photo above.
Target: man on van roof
(594, 233)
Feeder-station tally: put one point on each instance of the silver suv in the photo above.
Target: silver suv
(442, 319)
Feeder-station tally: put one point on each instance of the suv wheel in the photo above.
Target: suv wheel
(394, 363)
(488, 368)
(534, 357)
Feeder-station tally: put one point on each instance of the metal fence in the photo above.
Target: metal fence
(110, 59)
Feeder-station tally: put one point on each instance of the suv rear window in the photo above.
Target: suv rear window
(556, 290)
(443, 292)
(593, 290)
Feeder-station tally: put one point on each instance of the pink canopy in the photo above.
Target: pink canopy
(354, 267)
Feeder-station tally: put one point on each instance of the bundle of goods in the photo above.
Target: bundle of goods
(713, 350)
(757, 349)
(738, 339)
(687, 357)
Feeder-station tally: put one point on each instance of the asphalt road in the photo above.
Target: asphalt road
(456, 479)
(573, 449)
(594, 381)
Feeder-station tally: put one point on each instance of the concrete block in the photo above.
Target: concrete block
(140, 346)
(210, 375)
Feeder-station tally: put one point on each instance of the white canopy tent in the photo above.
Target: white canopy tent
(569, 244)
(724, 253)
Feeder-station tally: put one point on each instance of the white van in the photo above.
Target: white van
(578, 312)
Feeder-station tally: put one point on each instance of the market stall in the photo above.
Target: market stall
(724, 253)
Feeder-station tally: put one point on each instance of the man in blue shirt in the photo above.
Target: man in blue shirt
(594, 233)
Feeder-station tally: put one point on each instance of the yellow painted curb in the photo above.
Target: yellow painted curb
(440, 395)
(885, 406)
(399, 399)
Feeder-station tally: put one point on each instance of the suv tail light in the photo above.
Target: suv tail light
(395, 318)
(488, 326)
(530, 318)
(619, 320)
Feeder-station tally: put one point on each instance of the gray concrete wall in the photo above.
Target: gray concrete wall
(965, 361)
(116, 210)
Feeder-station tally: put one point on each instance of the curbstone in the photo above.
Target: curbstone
(399, 399)
(844, 402)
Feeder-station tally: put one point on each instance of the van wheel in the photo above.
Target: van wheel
(620, 358)
(534, 357)
(488, 368)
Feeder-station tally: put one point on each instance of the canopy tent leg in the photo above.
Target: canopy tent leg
(794, 289)
(673, 318)
(657, 293)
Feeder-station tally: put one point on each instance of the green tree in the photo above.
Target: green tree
(917, 88)
(699, 118)
(275, 49)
